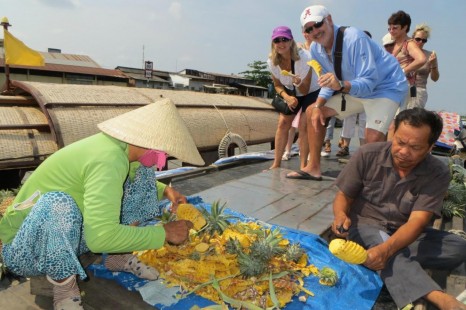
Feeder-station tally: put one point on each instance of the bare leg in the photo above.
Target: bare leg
(373, 135)
(289, 143)
(444, 301)
(303, 142)
(281, 137)
(391, 131)
(315, 140)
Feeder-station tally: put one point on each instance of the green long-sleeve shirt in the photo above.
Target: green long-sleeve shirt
(92, 171)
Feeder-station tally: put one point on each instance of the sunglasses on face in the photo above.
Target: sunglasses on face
(420, 40)
(315, 26)
(280, 39)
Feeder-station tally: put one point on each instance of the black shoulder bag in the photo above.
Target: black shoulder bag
(280, 104)
(338, 57)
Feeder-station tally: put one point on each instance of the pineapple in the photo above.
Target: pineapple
(261, 252)
(251, 266)
(267, 247)
(216, 219)
(233, 246)
(294, 252)
(316, 66)
(348, 251)
(189, 212)
(328, 276)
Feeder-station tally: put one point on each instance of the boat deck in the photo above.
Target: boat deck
(266, 195)
(248, 188)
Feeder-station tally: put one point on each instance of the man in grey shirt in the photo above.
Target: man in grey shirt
(389, 194)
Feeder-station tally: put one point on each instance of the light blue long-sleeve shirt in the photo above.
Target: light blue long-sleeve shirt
(372, 72)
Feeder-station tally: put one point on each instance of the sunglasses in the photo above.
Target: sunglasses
(280, 39)
(315, 26)
(420, 40)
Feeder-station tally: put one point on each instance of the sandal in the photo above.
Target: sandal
(344, 151)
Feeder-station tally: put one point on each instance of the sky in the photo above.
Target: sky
(224, 36)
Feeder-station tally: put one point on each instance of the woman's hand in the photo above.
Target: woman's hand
(175, 197)
(177, 232)
(433, 59)
(292, 102)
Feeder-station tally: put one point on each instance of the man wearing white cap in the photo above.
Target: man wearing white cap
(372, 82)
(80, 205)
(388, 42)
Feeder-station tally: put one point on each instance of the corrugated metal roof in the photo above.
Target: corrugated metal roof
(70, 59)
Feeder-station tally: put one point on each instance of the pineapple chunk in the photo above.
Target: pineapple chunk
(202, 247)
(189, 212)
(316, 66)
(348, 251)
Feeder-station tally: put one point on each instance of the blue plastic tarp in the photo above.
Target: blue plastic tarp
(357, 288)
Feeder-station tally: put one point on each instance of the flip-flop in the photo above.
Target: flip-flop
(303, 175)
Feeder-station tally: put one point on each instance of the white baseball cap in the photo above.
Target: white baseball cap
(314, 13)
(387, 39)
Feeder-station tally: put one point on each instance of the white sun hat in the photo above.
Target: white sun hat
(156, 126)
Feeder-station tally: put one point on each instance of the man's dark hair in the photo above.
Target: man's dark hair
(400, 18)
(368, 33)
(418, 117)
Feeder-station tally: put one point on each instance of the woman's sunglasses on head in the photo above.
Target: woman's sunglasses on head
(315, 26)
(280, 39)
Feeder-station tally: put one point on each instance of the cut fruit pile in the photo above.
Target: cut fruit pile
(242, 264)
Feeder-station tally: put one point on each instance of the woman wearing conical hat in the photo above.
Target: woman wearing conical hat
(85, 196)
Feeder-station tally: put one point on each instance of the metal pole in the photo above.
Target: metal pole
(5, 25)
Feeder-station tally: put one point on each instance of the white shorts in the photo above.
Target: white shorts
(379, 111)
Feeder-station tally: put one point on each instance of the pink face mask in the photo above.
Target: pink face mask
(153, 158)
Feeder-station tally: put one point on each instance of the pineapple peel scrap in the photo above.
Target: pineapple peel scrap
(348, 251)
(314, 64)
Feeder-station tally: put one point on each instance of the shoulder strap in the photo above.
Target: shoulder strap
(338, 52)
(337, 64)
(292, 71)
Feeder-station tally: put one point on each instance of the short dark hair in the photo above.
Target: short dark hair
(400, 18)
(368, 33)
(418, 117)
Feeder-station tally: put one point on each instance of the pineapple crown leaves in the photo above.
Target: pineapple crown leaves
(327, 272)
(458, 173)
(217, 220)
(166, 216)
(233, 246)
(451, 209)
(294, 252)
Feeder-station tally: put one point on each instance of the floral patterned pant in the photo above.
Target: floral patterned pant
(51, 237)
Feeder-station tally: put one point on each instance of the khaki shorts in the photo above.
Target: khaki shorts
(379, 111)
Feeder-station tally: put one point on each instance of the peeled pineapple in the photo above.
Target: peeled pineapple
(316, 66)
(348, 251)
(189, 212)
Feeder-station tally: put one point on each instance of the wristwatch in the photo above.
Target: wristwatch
(342, 86)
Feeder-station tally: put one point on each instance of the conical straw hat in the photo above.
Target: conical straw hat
(156, 126)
